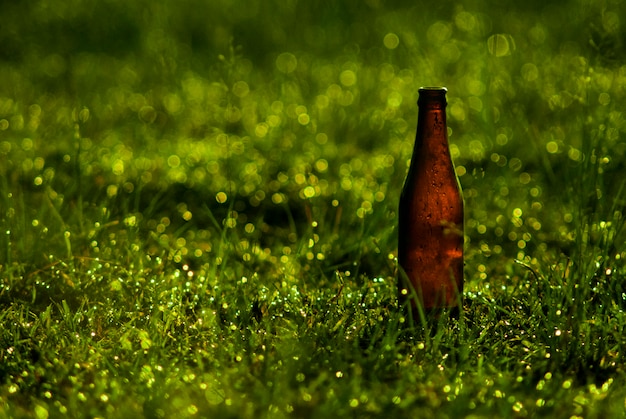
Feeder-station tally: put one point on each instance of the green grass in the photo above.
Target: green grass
(198, 209)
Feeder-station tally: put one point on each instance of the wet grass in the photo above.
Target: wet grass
(198, 210)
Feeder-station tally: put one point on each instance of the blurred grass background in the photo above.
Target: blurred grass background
(265, 101)
(265, 143)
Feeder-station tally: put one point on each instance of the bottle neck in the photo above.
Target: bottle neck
(432, 111)
(431, 121)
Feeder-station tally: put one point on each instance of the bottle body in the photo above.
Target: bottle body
(430, 226)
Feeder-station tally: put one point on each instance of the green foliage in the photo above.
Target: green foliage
(198, 208)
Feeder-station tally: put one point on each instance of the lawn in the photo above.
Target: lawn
(198, 208)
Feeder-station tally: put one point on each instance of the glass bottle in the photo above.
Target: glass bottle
(430, 229)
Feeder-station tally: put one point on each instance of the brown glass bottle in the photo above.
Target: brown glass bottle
(430, 229)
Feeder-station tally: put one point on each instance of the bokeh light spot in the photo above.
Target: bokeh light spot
(347, 78)
(391, 41)
(286, 63)
(221, 197)
(552, 147)
(500, 45)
